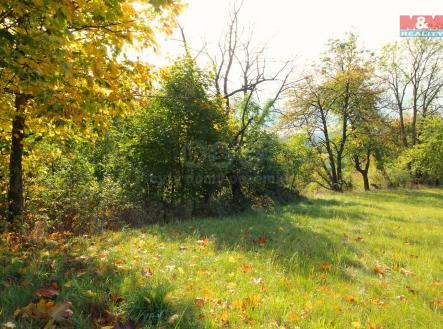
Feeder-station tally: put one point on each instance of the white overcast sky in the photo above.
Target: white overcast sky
(298, 28)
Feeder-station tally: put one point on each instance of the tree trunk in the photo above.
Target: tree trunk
(403, 129)
(364, 171)
(365, 180)
(15, 194)
(414, 118)
(238, 197)
(336, 185)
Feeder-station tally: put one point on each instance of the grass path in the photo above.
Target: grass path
(361, 260)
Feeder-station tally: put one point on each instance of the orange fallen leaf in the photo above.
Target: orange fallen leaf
(438, 302)
(325, 266)
(411, 290)
(379, 270)
(377, 301)
(224, 318)
(199, 301)
(261, 240)
(247, 268)
(119, 263)
(251, 301)
(203, 240)
(359, 239)
(350, 298)
(116, 299)
(293, 317)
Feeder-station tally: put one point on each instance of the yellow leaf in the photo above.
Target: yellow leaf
(89, 293)
(405, 272)
(236, 304)
(224, 318)
(293, 317)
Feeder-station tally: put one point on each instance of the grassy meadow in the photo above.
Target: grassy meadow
(353, 260)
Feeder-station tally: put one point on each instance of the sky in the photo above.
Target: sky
(297, 29)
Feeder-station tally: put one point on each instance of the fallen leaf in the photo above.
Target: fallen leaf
(377, 301)
(261, 240)
(257, 280)
(236, 304)
(146, 272)
(402, 298)
(325, 266)
(305, 312)
(293, 317)
(119, 263)
(61, 312)
(224, 318)
(350, 298)
(359, 239)
(247, 268)
(48, 292)
(199, 301)
(378, 270)
(89, 293)
(406, 272)
(173, 318)
(411, 290)
(116, 299)
(203, 241)
(8, 325)
(438, 302)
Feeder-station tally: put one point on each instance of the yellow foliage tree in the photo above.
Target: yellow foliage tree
(63, 63)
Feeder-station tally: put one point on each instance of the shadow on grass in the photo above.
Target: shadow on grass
(101, 293)
(285, 236)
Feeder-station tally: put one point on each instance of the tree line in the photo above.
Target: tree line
(90, 137)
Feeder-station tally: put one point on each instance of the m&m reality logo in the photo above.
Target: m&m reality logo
(421, 26)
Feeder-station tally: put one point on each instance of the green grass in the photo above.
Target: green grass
(299, 265)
